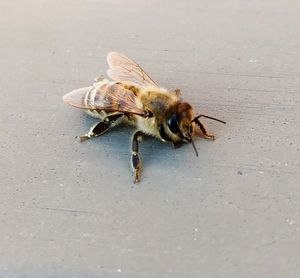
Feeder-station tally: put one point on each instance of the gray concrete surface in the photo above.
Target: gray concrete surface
(71, 209)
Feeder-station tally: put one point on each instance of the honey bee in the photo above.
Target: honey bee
(133, 97)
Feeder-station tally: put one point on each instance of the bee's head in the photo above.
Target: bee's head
(179, 121)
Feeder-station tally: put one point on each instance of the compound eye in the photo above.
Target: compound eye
(172, 123)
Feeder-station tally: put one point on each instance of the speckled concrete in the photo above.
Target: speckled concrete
(71, 210)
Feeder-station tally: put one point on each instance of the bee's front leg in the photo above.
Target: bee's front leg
(135, 158)
(177, 145)
(204, 131)
(101, 127)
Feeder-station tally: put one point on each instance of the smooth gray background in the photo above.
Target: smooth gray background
(71, 210)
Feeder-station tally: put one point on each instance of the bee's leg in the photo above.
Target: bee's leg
(177, 145)
(101, 127)
(204, 131)
(135, 158)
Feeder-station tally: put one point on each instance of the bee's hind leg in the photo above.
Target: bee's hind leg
(204, 131)
(135, 158)
(101, 127)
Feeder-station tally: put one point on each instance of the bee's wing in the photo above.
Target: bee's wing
(123, 68)
(108, 97)
(77, 98)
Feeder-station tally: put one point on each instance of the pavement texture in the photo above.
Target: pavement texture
(70, 209)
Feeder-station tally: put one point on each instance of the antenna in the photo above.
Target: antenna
(208, 117)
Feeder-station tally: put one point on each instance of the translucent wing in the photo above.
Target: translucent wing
(108, 97)
(123, 68)
(77, 97)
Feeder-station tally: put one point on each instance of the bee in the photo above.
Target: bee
(133, 97)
